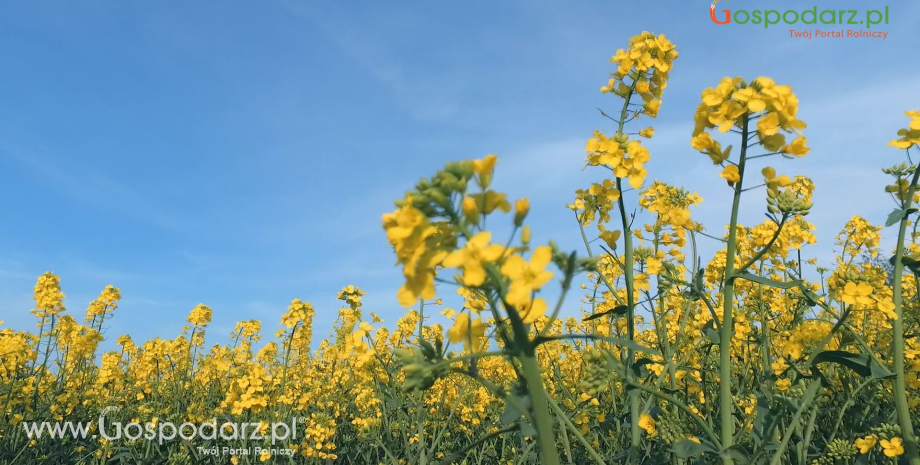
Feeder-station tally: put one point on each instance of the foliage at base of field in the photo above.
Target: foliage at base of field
(757, 355)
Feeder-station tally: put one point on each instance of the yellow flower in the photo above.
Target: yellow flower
(797, 147)
(464, 330)
(751, 98)
(866, 444)
(701, 141)
(893, 448)
(472, 256)
(648, 132)
(647, 423)
(910, 136)
(470, 209)
(448, 312)
(364, 329)
(774, 143)
(49, 300)
(264, 456)
(200, 315)
(768, 125)
(731, 174)
(414, 239)
(633, 166)
(651, 107)
(706, 144)
(773, 181)
(490, 201)
(106, 303)
(486, 165)
(610, 237)
(856, 293)
(527, 277)
(532, 310)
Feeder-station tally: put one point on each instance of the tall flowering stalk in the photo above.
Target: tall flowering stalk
(426, 231)
(734, 105)
(49, 303)
(642, 71)
(904, 193)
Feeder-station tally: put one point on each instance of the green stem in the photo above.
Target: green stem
(287, 357)
(726, 403)
(542, 419)
(44, 366)
(571, 427)
(900, 391)
(765, 330)
(600, 274)
(422, 459)
(635, 434)
(806, 401)
(680, 405)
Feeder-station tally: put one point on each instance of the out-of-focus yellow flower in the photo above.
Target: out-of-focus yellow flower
(472, 256)
(521, 208)
(527, 277)
(866, 444)
(465, 330)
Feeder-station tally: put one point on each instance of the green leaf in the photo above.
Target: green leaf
(686, 448)
(810, 297)
(862, 364)
(692, 295)
(767, 281)
(698, 280)
(511, 413)
(641, 363)
(911, 262)
(712, 333)
(527, 430)
(427, 349)
(897, 215)
(738, 454)
(629, 345)
(618, 310)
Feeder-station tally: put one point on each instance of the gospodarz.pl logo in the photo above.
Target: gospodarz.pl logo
(856, 24)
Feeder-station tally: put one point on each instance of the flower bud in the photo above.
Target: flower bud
(470, 210)
(521, 207)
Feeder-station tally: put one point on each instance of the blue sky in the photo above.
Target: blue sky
(240, 153)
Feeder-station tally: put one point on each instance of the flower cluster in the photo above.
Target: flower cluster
(646, 63)
(735, 103)
(671, 204)
(910, 136)
(626, 158)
